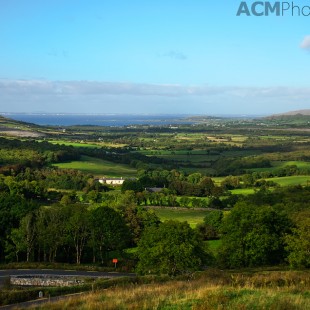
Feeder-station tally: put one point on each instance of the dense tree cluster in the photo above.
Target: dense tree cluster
(171, 248)
(15, 154)
(298, 243)
(73, 233)
(253, 236)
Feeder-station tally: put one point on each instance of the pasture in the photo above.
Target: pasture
(242, 191)
(98, 167)
(291, 180)
(75, 143)
(192, 217)
(276, 165)
(86, 144)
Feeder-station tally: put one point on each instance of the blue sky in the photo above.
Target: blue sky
(136, 56)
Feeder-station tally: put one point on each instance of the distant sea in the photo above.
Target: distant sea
(99, 119)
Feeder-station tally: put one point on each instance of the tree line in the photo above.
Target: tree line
(266, 228)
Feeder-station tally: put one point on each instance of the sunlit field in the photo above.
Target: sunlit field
(291, 180)
(98, 167)
(192, 217)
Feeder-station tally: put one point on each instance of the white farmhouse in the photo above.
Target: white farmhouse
(112, 181)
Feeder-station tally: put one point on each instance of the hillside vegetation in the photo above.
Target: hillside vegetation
(226, 193)
(209, 290)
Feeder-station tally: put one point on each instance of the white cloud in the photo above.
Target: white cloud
(91, 88)
(110, 97)
(305, 44)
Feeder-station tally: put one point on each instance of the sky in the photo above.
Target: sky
(152, 57)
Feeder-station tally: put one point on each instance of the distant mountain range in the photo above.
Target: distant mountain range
(291, 113)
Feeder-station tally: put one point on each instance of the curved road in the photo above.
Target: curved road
(4, 274)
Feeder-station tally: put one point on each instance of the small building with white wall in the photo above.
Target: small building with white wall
(112, 181)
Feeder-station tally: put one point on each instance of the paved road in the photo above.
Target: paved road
(4, 274)
(41, 301)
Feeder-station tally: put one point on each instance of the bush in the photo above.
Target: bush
(17, 296)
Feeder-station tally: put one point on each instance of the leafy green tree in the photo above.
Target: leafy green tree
(108, 231)
(139, 218)
(253, 236)
(78, 229)
(215, 203)
(210, 228)
(24, 237)
(172, 200)
(132, 185)
(197, 203)
(298, 243)
(214, 218)
(185, 201)
(126, 199)
(194, 178)
(93, 196)
(230, 182)
(207, 186)
(142, 198)
(148, 217)
(12, 209)
(247, 180)
(51, 230)
(68, 198)
(17, 244)
(171, 248)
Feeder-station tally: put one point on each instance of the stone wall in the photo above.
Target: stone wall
(45, 280)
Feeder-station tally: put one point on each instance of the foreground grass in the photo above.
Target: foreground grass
(98, 167)
(208, 290)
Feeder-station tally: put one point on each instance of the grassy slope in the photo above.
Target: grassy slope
(212, 289)
(291, 180)
(99, 167)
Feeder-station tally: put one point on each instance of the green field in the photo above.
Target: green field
(192, 217)
(86, 144)
(291, 180)
(98, 167)
(75, 144)
(282, 164)
(299, 164)
(282, 181)
(242, 191)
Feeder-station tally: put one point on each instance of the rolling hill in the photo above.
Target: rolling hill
(305, 112)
